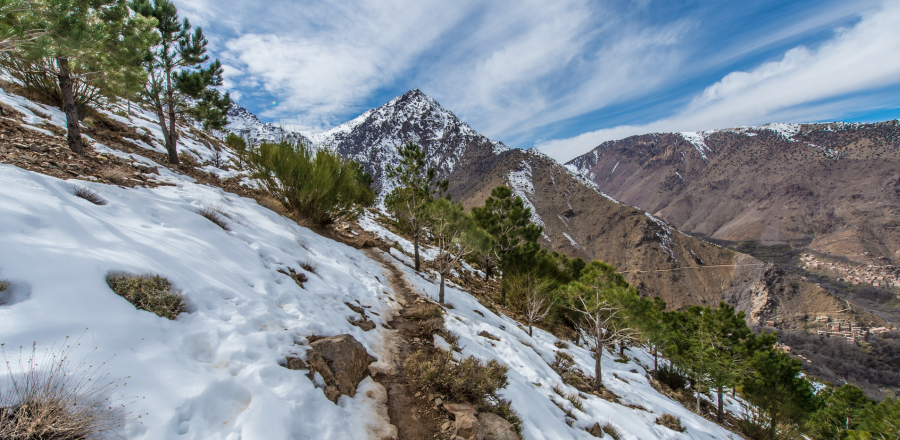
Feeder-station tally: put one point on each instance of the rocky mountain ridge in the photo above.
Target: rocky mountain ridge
(578, 217)
(834, 187)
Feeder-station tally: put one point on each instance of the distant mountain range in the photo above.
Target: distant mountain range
(834, 187)
(578, 216)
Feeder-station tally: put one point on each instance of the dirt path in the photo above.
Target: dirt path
(414, 419)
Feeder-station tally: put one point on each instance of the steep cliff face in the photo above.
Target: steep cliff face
(834, 187)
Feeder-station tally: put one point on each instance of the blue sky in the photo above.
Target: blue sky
(563, 75)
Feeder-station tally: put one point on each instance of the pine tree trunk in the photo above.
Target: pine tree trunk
(172, 144)
(416, 252)
(698, 397)
(655, 363)
(719, 415)
(68, 95)
(598, 381)
(441, 293)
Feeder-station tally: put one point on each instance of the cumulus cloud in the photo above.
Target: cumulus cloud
(806, 83)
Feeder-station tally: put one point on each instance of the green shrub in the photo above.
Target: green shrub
(671, 377)
(320, 185)
(153, 293)
(670, 421)
(239, 146)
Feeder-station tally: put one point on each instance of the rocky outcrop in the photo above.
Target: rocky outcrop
(470, 425)
(341, 361)
(495, 427)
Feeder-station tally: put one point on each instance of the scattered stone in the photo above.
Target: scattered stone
(39, 148)
(343, 363)
(364, 325)
(438, 401)
(466, 423)
(596, 430)
(445, 426)
(295, 363)
(485, 334)
(495, 427)
(20, 146)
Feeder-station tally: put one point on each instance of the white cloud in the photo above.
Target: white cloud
(806, 83)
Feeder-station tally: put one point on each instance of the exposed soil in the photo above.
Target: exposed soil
(414, 418)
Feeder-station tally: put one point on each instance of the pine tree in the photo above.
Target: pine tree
(81, 40)
(19, 24)
(776, 388)
(180, 80)
(508, 222)
(602, 297)
(454, 235)
(839, 414)
(416, 186)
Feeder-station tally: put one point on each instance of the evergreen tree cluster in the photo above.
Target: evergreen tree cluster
(74, 52)
(705, 350)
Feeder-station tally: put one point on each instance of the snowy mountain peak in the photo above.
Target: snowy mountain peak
(374, 137)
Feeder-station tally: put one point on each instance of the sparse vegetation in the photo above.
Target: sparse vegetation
(114, 174)
(50, 398)
(4, 284)
(187, 159)
(153, 293)
(467, 380)
(669, 376)
(320, 186)
(89, 195)
(611, 430)
(670, 421)
(215, 215)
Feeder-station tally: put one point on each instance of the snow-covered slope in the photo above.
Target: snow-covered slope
(214, 373)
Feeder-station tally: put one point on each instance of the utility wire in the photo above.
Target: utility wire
(693, 267)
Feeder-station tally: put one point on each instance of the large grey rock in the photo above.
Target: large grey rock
(342, 362)
(495, 427)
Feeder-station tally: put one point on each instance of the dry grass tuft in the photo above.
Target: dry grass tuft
(50, 398)
(39, 112)
(275, 206)
(114, 174)
(611, 430)
(188, 160)
(216, 215)
(89, 195)
(4, 284)
(153, 293)
(670, 421)
(309, 265)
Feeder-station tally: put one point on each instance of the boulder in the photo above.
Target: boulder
(596, 430)
(495, 427)
(466, 425)
(341, 361)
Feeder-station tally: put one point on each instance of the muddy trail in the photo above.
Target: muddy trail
(415, 418)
